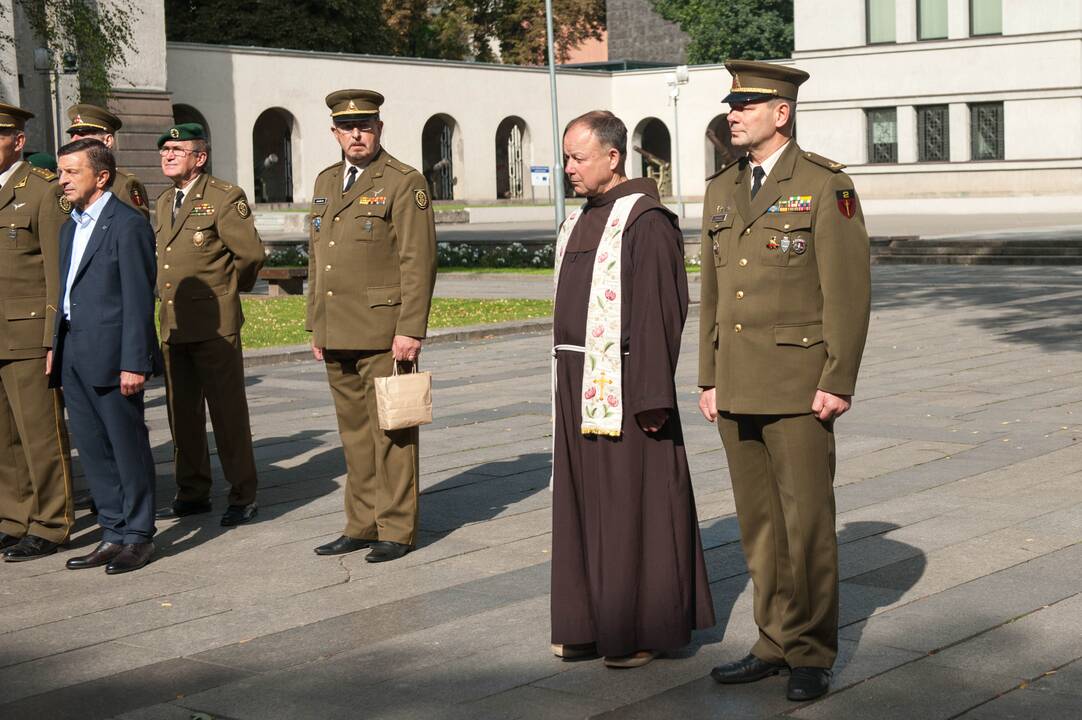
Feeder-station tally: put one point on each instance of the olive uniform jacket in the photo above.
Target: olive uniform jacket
(131, 192)
(786, 286)
(31, 213)
(372, 257)
(206, 257)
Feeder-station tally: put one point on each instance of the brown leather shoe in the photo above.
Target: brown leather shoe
(634, 660)
(101, 555)
(132, 557)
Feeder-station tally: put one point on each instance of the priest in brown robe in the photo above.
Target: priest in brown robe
(628, 576)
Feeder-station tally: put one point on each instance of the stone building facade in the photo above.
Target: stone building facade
(637, 32)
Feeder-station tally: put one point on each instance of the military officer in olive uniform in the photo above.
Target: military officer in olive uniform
(91, 121)
(208, 253)
(36, 514)
(785, 307)
(371, 274)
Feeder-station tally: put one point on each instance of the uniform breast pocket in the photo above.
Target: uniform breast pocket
(786, 239)
(371, 222)
(16, 232)
(718, 241)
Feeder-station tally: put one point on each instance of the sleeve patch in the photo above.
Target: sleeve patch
(847, 203)
(421, 198)
(242, 209)
(137, 197)
(65, 204)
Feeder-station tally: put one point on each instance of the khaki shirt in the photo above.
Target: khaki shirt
(31, 213)
(372, 257)
(786, 285)
(130, 191)
(206, 258)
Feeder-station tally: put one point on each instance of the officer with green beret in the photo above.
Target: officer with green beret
(371, 274)
(208, 253)
(42, 160)
(785, 306)
(36, 514)
(92, 121)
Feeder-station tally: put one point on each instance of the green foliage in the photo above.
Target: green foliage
(99, 34)
(738, 29)
(475, 255)
(327, 25)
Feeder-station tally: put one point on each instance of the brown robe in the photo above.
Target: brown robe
(627, 561)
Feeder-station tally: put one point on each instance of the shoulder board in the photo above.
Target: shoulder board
(43, 173)
(723, 168)
(220, 184)
(400, 166)
(824, 162)
(330, 167)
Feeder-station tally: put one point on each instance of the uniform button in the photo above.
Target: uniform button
(169, 249)
(330, 244)
(743, 262)
(336, 218)
(738, 327)
(786, 226)
(33, 313)
(155, 253)
(330, 293)
(747, 231)
(327, 268)
(168, 302)
(739, 294)
(804, 340)
(165, 267)
(168, 285)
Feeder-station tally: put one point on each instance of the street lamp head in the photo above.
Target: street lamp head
(69, 63)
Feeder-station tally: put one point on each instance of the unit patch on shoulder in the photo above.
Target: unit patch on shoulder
(421, 198)
(242, 209)
(64, 203)
(137, 197)
(847, 203)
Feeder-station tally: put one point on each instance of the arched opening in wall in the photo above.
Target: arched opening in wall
(188, 114)
(272, 156)
(437, 155)
(512, 165)
(719, 145)
(652, 153)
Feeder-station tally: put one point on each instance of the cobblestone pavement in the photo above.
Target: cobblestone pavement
(959, 511)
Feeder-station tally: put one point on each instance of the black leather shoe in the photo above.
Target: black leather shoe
(239, 514)
(131, 557)
(808, 683)
(103, 554)
(344, 544)
(385, 550)
(7, 541)
(30, 547)
(749, 669)
(183, 508)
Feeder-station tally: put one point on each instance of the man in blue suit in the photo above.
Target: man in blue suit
(105, 349)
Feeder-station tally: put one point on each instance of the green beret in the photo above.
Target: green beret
(183, 131)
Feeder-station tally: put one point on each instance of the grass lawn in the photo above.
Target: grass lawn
(280, 321)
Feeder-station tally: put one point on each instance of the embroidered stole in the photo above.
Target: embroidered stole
(602, 369)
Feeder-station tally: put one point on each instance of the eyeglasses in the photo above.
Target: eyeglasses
(349, 127)
(177, 152)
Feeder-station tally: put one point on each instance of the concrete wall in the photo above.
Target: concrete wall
(9, 78)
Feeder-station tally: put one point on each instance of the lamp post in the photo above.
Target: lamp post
(69, 65)
(674, 81)
(556, 178)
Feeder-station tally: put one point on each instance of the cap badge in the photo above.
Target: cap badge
(174, 133)
(78, 120)
(351, 106)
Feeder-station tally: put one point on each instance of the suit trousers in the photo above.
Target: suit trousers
(35, 458)
(782, 469)
(382, 474)
(198, 376)
(114, 449)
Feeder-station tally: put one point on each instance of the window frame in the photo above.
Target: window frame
(1001, 147)
(921, 120)
(869, 135)
(985, 34)
(946, 4)
(868, 26)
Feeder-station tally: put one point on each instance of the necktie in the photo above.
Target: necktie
(350, 180)
(757, 175)
(177, 203)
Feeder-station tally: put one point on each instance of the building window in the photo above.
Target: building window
(933, 133)
(931, 19)
(882, 135)
(986, 131)
(985, 17)
(880, 15)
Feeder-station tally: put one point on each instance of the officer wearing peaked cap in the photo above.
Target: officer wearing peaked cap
(36, 514)
(785, 307)
(208, 253)
(92, 121)
(371, 274)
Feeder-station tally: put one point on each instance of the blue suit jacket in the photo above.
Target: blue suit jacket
(112, 298)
